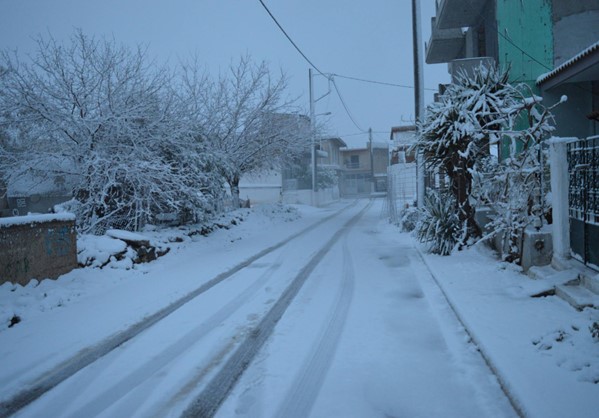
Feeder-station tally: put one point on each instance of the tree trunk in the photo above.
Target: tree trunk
(234, 185)
(461, 186)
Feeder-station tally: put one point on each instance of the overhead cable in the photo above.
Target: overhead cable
(345, 106)
(289, 38)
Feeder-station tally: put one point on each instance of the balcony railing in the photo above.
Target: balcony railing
(352, 166)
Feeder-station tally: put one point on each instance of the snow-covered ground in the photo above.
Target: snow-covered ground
(371, 332)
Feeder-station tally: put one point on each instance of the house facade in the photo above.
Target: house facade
(293, 182)
(402, 140)
(364, 169)
(553, 47)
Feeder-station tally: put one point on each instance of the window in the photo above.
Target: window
(354, 161)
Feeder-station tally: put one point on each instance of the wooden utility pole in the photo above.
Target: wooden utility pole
(418, 96)
(373, 187)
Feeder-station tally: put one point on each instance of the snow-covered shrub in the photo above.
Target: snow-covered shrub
(595, 330)
(409, 218)
(457, 130)
(439, 225)
(477, 111)
(325, 177)
(516, 188)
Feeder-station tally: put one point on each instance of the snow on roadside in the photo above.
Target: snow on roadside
(24, 303)
(541, 346)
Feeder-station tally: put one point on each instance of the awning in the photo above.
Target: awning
(583, 67)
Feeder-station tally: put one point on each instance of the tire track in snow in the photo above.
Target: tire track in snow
(160, 360)
(209, 400)
(51, 378)
(301, 397)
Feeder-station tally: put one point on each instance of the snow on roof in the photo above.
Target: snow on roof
(32, 219)
(383, 145)
(375, 145)
(546, 76)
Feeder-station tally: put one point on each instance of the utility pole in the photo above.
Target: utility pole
(418, 97)
(372, 188)
(312, 131)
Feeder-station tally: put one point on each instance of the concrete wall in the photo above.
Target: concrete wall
(262, 188)
(306, 197)
(40, 246)
(576, 27)
(570, 117)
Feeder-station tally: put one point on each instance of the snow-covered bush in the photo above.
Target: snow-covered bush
(595, 330)
(439, 226)
(409, 218)
(474, 113)
(457, 130)
(325, 177)
(516, 188)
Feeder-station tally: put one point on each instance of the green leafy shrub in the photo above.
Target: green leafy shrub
(439, 225)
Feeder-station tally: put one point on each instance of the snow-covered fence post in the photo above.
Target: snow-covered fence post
(558, 158)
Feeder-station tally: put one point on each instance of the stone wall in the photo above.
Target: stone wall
(37, 246)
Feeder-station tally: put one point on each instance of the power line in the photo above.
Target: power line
(495, 27)
(345, 106)
(330, 76)
(364, 80)
(289, 38)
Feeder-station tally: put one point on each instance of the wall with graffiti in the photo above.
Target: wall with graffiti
(37, 246)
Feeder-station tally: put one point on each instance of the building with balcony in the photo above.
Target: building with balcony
(553, 47)
(364, 169)
(531, 37)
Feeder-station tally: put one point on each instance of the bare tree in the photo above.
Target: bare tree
(245, 118)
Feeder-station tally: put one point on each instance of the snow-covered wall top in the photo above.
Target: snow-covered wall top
(30, 219)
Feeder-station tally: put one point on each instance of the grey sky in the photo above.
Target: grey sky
(365, 39)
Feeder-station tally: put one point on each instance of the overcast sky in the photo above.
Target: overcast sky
(364, 39)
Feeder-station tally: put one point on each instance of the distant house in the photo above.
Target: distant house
(364, 169)
(36, 191)
(402, 139)
(330, 152)
(292, 183)
(402, 170)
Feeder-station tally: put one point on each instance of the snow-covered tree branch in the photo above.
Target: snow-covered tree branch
(244, 118)
(105, 116)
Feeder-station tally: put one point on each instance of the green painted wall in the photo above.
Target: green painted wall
(528, 24)
(529, 27)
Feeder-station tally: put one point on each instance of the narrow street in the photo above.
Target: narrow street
(369, 335)
(340, 321)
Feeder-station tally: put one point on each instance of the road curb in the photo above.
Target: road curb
(514, 400)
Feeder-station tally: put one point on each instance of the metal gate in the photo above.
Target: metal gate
(583, 170)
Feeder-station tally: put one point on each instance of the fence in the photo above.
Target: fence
(401, 189)
(583, 173)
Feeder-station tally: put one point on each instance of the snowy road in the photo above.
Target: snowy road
(340, 321)
(369, 335)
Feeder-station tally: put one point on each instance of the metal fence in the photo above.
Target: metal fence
(401, 189)
(583, 197)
